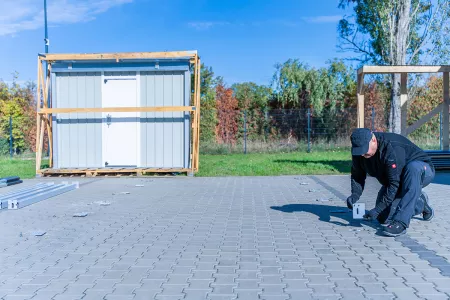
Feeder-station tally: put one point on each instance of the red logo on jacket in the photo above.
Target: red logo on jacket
(394, 166)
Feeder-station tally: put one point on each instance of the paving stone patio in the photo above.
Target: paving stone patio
(219, 238)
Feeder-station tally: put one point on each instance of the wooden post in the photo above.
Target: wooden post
(43, 117)
(445, 113)
(360, 93)
(38, 116)
(198, 114)
(404, 102)
(194, 121)
(50, 117)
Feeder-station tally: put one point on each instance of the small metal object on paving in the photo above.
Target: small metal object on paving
(80, 215)
(359, 209)
(39, 233)
(304, 183)
(323, 199)
(103, 203)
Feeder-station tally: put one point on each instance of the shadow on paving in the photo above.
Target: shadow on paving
(343, 166)
(324, 213)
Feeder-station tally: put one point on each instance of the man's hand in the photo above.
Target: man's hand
(371, 215)
(350, 201)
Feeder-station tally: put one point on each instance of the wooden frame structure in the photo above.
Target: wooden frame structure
(44, 112)
(404, 71)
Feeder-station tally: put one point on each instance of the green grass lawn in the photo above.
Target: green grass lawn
(254, 164)
(294, 163)
(17, 167)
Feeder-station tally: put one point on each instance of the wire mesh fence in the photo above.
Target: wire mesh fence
(280, 130)
(284, 130)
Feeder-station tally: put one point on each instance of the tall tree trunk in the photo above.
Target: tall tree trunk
(395, 118)
(401, 34)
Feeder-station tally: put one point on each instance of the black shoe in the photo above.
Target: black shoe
(396, 228)
(428, 211)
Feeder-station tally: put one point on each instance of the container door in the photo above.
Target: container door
(120, 129)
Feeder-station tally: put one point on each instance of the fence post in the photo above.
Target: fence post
(373, 117)
(440, 131)
(266, 125)
(309, 129)
(245, 132)
(10, 138)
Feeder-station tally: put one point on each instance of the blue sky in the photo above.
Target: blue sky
(240, 40)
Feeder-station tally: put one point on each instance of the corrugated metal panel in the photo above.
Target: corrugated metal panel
(79, 135)
(163, 142)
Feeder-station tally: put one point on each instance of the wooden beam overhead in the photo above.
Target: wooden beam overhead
(118, 56)
(402, 69)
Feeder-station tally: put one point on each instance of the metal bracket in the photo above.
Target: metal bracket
(108, 120)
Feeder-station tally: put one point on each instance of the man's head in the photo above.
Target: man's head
(364, 142)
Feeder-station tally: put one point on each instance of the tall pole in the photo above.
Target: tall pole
(46, 28)
(46, 63)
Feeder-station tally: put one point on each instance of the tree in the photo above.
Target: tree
(227, 114)
(19, 103)
(251, 96)
(208, 115)
(428, 97)
(252, 99)
(396, 32)
(297, 86)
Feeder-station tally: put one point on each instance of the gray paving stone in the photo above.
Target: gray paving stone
(437, 296)
(227, 235)
(125, 289)
(195, 294)
(379, 296)
(423, 288)
(327, 296)
(146, 293)
(221, 297)
(372, 288)
(18, 297)
(118, 297)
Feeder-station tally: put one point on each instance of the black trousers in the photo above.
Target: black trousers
(415, 176)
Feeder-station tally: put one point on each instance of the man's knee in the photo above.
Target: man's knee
(412, 171)
(414, 167)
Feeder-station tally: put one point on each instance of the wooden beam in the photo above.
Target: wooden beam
(402, 69)
(403, 102)
(424, 119)
(197, 100)
(360, 95)
(445, 112)
(38, 116)
(43, 119)
(48, 117)
(112, 170)
(116, 109)
(194, 120)
(118, 56)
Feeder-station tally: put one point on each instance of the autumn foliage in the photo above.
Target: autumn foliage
(428, 97)
(376, 108)
(227, 113)
(18, 103)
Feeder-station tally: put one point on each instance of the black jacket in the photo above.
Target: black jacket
(393, 154)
